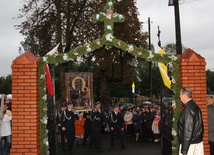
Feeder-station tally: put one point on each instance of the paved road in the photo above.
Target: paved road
(133, 148)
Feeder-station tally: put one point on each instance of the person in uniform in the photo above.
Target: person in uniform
(87, 127)
(98, 119)
(116, 125)
(67, 122)
(61, 133)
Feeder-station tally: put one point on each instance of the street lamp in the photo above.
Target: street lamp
(171, 3)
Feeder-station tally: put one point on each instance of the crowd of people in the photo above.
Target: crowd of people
(140, 123)
(84, 128)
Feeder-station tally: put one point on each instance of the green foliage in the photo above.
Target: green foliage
(42, 107)
(5, 85)
(210, 83)
(170, 48)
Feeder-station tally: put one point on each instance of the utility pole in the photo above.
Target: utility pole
(150, 63)
(177, 25)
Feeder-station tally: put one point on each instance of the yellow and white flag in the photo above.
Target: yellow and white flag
(163, 71)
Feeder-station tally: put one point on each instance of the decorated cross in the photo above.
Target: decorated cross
(109, 18)
(108, 40)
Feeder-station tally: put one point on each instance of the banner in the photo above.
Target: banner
(164, 72)
(49, 83)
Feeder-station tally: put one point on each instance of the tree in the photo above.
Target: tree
(210, 83)
(6, 85)
(70, 23)
(170, 48)
(58, 21)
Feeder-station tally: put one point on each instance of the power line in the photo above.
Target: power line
(201, 6)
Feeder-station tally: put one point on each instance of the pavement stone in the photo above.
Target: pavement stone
(133, 148)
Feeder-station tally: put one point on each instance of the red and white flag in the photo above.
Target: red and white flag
(49, 83)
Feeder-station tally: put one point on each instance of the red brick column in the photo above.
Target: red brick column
(193, 75)
(25, 110)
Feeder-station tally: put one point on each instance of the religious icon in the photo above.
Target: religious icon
(79, 89)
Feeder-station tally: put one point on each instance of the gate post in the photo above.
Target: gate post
(193, 75)
(25, 105)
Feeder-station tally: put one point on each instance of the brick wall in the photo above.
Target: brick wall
(25, 122)
(193, 75)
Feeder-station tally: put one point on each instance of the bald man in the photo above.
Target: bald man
(190, 126)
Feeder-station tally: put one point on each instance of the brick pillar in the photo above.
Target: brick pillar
(25, 105)
(193, 75)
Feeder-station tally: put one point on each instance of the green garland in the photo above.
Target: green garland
(108, 40)
(43, 108)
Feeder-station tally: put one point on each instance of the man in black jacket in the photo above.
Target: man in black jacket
(98, 119)
(190, 126)
(61, 133)
(67, 122)
(116, 125)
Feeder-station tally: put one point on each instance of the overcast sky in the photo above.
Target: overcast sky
(196, 18)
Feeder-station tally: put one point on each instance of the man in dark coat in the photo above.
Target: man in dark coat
(67, 122)
(61, 133)
(116, 125)
(210, 106)
(98, 119)
(87, 126)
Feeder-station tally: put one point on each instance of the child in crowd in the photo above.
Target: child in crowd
(155, 126)
(79, 128)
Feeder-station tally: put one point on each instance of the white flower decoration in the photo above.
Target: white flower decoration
(44, 59)
(109, 27)
(170, 65)
(98, 41)
(150, 55)
(174, 133)
(45, 141)
(173, 80)
(44, 97)
(120, 16)
(130, 48)
(109, 37)
(88, 48)
(47, 153)
(110, 4)
(65, 57)
(97, 16)
(174, 58)
(44, 119)
(75, 53)
(42, 76)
